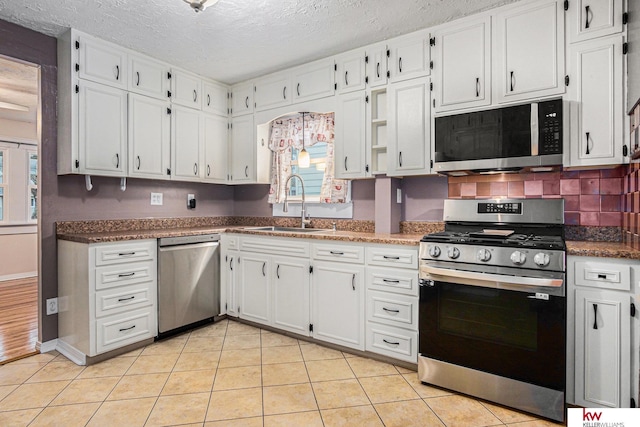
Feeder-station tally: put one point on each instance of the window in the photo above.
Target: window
(33, 186)
(313, 176)
(3, 184)
(18, 184)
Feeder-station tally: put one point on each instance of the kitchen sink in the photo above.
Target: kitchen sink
(287, 229)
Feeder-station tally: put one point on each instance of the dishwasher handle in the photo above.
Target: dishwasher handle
(187, 246)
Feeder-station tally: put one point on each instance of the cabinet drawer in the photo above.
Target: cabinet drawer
(124, 298)
(128, 274)
(142, 250)
(392, 280)
(603, 275)
(275, 246)
(393, 342)
(392, 257)
(392, 309)
(338, 253)
(117, 331)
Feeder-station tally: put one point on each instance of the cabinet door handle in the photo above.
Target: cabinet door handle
(127, 274)
(195, 95)
(117, 161)
(246, 102)
(138, 157)
(390, 342)
(511, 81)
(127, 329)
(400, 64)
(389, 310)
(595, 316)
(126, 253)
(117, 72)
(390, 281)
(400, 159)
(208, 170)
(298, 89)
(246, 171)
(195, 169)
(284, 92)
(126, 299)
(137, 78)
(345, 164)
(346, 78)
(390, 257)
(231, 264)
(587, 135)
(278, 271)
(353, 281)
(587, 21)
(378, 69)
(477, 87)
(336, 253)
(264, 264)
(208, 100)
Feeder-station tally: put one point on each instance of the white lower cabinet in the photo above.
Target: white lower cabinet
(254, 299)
(229, 280)
(107, 294)
(602, 332)
(290, 294)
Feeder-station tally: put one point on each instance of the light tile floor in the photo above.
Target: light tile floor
(233, 374)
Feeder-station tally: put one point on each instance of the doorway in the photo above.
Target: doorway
(19, 207)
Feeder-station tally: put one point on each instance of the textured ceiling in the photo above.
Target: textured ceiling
(239, 39)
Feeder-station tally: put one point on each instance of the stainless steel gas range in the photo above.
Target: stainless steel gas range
(492, 316)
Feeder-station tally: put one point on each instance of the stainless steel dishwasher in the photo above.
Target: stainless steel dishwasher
(188, 280)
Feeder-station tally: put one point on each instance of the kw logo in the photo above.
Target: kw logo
(590, 416)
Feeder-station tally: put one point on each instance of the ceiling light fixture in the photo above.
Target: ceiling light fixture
(303, 156)
(200, 5)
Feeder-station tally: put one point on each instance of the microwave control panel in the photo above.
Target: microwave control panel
(550, 119)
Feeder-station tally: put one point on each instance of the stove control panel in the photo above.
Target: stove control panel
(541, 259)
(434, 251)
(518, 258)
(484, 255)
(453, 252)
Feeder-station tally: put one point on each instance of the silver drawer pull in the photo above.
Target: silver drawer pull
(390, 281)
(126, 274)
(126, 253)
(390, 257)
(390, 310)
(336, 253)
(126, 299)
(391, 342)
(127, 329)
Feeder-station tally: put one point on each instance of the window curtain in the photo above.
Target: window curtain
(286, 134)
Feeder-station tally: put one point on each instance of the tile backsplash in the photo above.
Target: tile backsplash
(592, 197)
(631, 206)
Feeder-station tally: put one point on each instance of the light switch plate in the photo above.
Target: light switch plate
(156, 199)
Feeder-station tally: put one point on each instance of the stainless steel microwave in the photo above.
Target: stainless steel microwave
(525, 137)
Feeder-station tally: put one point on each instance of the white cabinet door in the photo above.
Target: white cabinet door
(594, 18)
(216, 141)
(242, 99)
(377, 69)
(529, 51)
(100, 61)
(186, 89)
(149, 137)
(409, 57)
(186, 147)
(350, 142)
(214, 98)
(102, 129)
(462, 65)
(350, 71)
(255, 302)
(148, 77)
(272, 91)
(596, 86)
(230, 280)
(409, 127)
(602, 345)
(313, 81)
(338, 304)
(290, 291)
(243, 145)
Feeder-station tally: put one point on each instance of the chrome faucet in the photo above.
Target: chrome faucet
(304, 220)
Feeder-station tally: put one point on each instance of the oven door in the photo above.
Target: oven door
(509, 333)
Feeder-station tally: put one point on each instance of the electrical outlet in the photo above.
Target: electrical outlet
(399, 195)
(52, 306)
(191, 201)
(156, 199)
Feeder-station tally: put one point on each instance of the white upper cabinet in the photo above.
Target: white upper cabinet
(273, 91)
(377, 70)
(350, 136)
(529, 51)
(186, 89)
(409, 128)
(216, 139)
(215, 98)
(186, 144)
(100, 61)
(350, 71)
(409, 56)
(242, 99)
(149, 137)
(588, 19)
(242, 147)
(596, 87)
(462, 65)
(148, 77)
(313, 81)
(102, 129)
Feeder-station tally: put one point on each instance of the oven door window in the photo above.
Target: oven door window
(497, 331)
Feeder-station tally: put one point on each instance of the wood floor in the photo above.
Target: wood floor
(18, 318)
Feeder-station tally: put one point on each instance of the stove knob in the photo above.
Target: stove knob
(518, 258)
(541, 259)
(484, 255)
(434, 251)
(453, 252)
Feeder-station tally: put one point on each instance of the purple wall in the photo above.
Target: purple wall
(424, 198)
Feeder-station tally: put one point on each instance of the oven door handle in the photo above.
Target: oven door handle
(481, 279)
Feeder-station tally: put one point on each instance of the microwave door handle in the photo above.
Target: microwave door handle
(535, 129)
(489, 280)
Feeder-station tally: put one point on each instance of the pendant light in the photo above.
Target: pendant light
(303, 156)
(200, 5)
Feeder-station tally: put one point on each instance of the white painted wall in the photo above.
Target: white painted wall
(18, 256)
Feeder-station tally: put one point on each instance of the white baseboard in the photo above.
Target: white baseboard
(16, 276)
(46, 347)
(71, 353)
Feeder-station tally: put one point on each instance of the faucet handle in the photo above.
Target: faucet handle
(334, 226)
